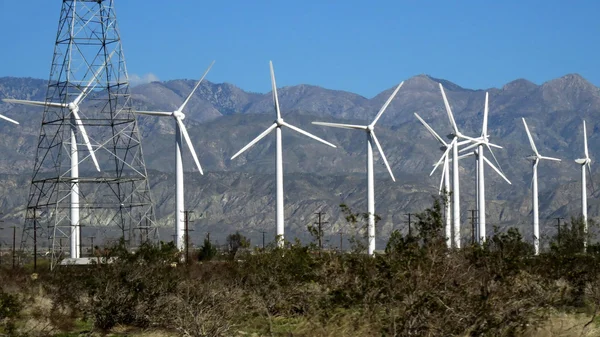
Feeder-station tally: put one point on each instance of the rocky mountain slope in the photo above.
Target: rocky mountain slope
(239, 194)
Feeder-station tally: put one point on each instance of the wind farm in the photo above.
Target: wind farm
(103, 213)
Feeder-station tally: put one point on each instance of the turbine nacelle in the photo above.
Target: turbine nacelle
(583, 161)
(178, 114)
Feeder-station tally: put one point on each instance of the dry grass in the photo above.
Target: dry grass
(566, 325)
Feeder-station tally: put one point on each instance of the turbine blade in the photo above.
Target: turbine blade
(186, 136)
(495, 169)
(585, 140)
(494, 156)
(154, 113)
(255, 140)
(34, 103)
(195, 87)
(9, 119)
(449, 111)
(310, 135)
(485, 117)
(433, 133)
(530, 138)
(549, 158)
(480, 140)
(470, 147)
(444, 168)
(274, 91)
(88, 88)
(589, 169)
(86, 139)
(342, 126)
(468, 154)
(382, 155)
(387, 103)
(535, 165)
(441, 159)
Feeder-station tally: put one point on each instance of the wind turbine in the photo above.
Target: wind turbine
(370, 174)
(480, 157)
(180, 130)
(277, 125)
(76, 126)
(445, 180)
(584, 162)
(535, 159)
(482, 140)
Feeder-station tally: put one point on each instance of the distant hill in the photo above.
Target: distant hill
(239, 194)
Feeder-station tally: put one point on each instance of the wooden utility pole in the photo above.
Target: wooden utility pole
(558, 228)
(34, 240)
(341, 241)
(14, 245)
(409, 223)
(92, 245)
(263, 239)
(1, 221)
(320, 223)
(187, 235)
(473, 221)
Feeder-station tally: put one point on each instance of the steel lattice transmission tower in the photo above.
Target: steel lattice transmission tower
(88, 93)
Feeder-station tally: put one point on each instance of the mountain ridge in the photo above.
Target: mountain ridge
(222, 118)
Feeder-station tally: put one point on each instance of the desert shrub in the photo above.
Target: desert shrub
(10, 309)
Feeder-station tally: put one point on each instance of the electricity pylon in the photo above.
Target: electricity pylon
(68, 189)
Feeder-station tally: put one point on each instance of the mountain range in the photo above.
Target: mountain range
(239, 194)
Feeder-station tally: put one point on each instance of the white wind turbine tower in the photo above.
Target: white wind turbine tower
(480, 157)
(76, 126)
(535, 159)
(370, 174)
(584, 162)
(277, 125)
(180, 131)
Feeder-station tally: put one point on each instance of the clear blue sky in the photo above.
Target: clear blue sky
(359, 46)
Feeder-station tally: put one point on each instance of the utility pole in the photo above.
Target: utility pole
(92, 245)
(473, 222)
(1, 221)
(187, 235)
(341, 241)
(34, 240)
(558, 228)
(263, 241)
(409, 223)
(14, 245)
(320, 223)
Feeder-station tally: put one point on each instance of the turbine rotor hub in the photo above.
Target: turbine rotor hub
(370, 128)
(179, 114)
(279, 121)
(71, 106)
